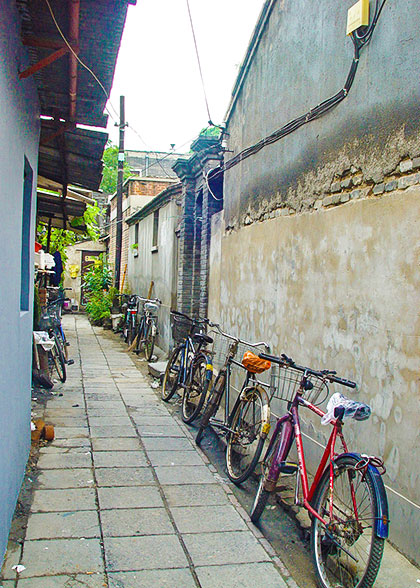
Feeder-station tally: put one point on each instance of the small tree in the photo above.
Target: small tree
(110, 169)
(97, 290)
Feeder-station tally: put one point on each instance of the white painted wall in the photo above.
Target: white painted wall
(159, 266)
(19, 136)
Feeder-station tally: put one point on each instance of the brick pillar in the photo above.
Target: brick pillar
(186, 248)
(198, 221)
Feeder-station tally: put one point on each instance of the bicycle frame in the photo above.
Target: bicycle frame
(293, 432)
(188, 347)
(224, 425)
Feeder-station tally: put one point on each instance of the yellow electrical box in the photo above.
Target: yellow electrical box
(358, 16)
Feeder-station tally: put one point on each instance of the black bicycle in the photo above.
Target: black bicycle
(247, 425)
(130, 319)
(190, 366)
(147, 327)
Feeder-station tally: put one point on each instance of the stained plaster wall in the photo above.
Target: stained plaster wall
(340, 289)
(157, 265)
(19, 136)
(302, 59)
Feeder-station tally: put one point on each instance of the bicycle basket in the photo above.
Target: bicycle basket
(286, 381)
(151, 307)
(50, 317)
(181, 328)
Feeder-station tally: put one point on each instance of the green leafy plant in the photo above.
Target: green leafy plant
(98, 291)
(110, 169)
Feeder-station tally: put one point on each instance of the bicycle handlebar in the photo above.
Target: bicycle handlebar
(148, 299)
(324, 374)
(228, 336)
(198, 320)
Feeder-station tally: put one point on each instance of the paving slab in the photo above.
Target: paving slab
(167, 444)
(124, 477)
(130, 497)
(144, 553)
(175, 578)
(115, 459)
(159, 431)
(71, 432)
(73, 442)
(224, 548)
(207, 519)
(240, 576)
(91, 580)
(59, 525)
(71, 478)
(195, 495)
(55, 461)
(122, 431)
(115, 444)
(64, 500)
(139, 521)
(109, 421)
(184, 475)
(175, 458)
(60, 556)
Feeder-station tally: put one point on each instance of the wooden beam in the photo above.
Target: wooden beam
(45, 43)
(43, 63)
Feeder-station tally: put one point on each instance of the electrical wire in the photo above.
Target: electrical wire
(359, 42)
(199, 62)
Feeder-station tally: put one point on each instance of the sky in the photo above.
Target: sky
(158, 74)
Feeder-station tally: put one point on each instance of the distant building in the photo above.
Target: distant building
(155, 164)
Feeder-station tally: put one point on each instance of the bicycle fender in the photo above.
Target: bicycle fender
(266, 412)
(382, 514)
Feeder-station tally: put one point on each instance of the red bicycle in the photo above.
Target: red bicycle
(347, 500)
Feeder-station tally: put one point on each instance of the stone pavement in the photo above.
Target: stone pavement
(125, 498)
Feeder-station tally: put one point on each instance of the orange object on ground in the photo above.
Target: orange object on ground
(48, 433)
(255, 364)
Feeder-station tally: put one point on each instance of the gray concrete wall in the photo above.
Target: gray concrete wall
(340, 289)
(303, 58)
(159, 266)
(19, 135)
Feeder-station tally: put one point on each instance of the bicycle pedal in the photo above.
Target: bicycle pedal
(288, 468)
(67, 344)
(70, 361)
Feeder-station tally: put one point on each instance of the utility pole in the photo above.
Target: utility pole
(120, 181)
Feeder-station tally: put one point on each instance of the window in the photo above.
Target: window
(155, 230)
(26, 236)
(136, 234)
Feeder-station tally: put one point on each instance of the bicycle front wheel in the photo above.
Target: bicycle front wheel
(172, 373)
(57, 361)
(195, 393)
(346, 553)
(246, 438)
(212, 405)
(149, 341)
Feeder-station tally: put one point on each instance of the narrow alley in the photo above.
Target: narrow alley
(124, 497)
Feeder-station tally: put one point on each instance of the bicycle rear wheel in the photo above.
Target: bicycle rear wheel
(212, 404)
(172, 373)
(347, 553)
(195, 393)
(149, 341)
(246, 441)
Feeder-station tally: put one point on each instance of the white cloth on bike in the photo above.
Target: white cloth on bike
(42, 338)
(352, 409)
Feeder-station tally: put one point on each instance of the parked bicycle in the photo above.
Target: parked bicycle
(130, 319)
(189, 366)
(246, 426)
(347, 500)
(147, 328)
(50, 322)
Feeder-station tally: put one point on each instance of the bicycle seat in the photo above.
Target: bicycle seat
(340, 407)
(202, 338)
